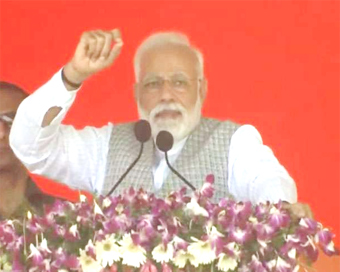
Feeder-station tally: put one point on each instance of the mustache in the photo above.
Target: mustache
(167, 107)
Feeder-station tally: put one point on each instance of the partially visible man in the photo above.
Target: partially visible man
(16, 186)
(170, 89)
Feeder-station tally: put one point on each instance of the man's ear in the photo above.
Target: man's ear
(203, 89)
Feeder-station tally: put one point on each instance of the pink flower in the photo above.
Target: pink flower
(16, 245)
(113, 268)
(117, 223)
(279, 265)
(278, 218)
(308, 225)
(222, 218)
(324, 239)
(245, 268)
(17, 266)
(241, 210)
(241, 236)
(142, 200)
(179, 243)
(35, 256)
(111, 226)
(256, 265)
(109, 206)
(148, 267)
(167, 231)
(159, 207)
(166, 268)
(264, 231)
(262, 210)
(59, 208)
(85, 213)
(231, 250)
(210, 178)
(177, 199)
(137, 238)
(216, 239)
(72, 234)
(311, 251)
(44, 248)
(7, 232)
(226, 203)
(146, 222)
(72, 262)
(207, 189)
(59, 230)
(61, 259)
(35, 225)
(129, 196)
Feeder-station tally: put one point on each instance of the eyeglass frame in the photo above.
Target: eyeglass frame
(171, 80)
(8, 120)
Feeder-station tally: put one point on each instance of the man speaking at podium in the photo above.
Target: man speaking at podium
(170, 89)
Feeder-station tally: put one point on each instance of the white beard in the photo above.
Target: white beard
(179, 127)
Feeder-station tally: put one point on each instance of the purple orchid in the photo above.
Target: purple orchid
(278, 217)
(324, 239)
(148, 267)
(241, 235)
(256, 265)
(171, 232)
(207, 189)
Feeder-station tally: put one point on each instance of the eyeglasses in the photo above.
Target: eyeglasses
(177, 82)
(7, 118)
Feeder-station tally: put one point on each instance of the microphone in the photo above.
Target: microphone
(142, 132)
(164, 142)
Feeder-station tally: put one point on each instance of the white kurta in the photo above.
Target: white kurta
(78, 157)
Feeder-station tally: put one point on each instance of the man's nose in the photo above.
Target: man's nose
(4, 130)
(166, 91)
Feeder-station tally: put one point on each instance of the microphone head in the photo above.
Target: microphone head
(142, 131)
(164, 141)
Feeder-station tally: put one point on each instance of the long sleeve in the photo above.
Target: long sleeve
(60, 152)
(255, 174)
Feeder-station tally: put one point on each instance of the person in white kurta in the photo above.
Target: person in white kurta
(170, 89)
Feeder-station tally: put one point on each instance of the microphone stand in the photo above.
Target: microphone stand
(178, 174)
(142, 131)
(127, 171)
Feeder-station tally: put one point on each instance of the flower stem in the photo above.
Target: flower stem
(24, 232)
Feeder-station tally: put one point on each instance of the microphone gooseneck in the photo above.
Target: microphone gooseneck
(164, 142)
(142, 132)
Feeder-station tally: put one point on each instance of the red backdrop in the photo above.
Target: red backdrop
(274, 64)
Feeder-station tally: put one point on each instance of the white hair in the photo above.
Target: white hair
(166, 38)
(178, 128)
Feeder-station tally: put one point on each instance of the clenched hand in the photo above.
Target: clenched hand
(95, 51)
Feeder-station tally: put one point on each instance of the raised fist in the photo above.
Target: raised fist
(95, 51)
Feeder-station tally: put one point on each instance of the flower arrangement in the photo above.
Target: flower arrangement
(136, 231)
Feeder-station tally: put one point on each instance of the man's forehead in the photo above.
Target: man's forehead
(170, 49)
(166, 75)
(168, 60)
